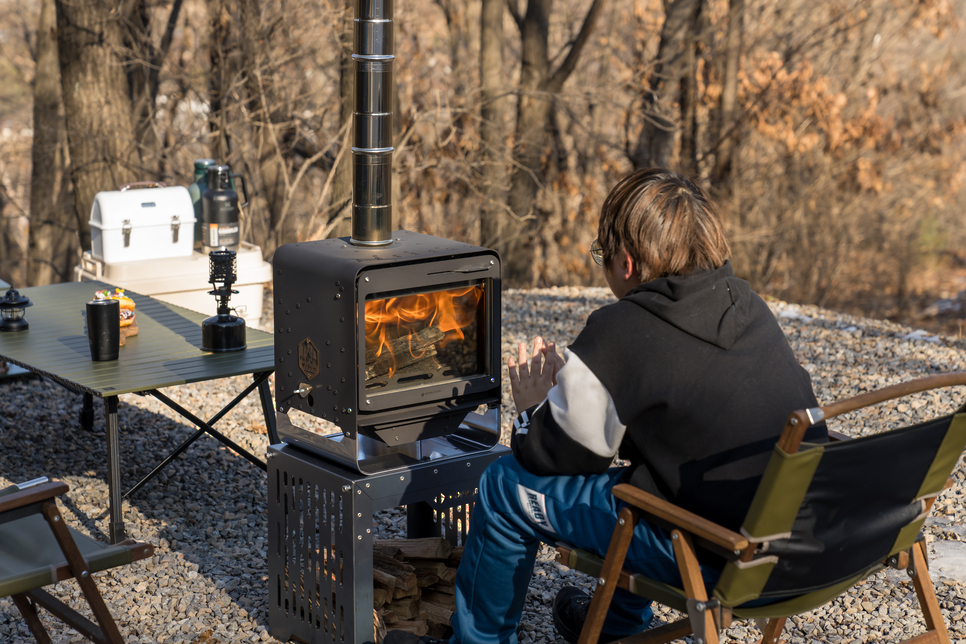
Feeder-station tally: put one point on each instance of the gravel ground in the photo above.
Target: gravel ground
(207, 514)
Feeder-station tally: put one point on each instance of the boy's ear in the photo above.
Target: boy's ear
(627, 264)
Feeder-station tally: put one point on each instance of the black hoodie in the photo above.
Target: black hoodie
(690, 378)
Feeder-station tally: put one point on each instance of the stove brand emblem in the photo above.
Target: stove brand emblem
(308, 358)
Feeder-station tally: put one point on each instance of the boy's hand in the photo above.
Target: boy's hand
(531, 380)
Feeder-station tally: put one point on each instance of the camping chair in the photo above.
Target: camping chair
(38, 549)
(825, 517)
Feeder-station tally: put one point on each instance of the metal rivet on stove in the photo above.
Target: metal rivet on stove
(346, 488)
(337, 282)
(402, 478)
(328, 365)
(467, 464)
(281, 408)
(281, 359)
(341, 289)
(368, 530)
(342, 349)
(341, 319)
(279, 300)
(329, 388)
(289, 352)
(368, 402)
(335, 392)
(328, 342)
(280, 331)
(492, 262)
(279, 271)
(435, 471)
(289, 374)
(288, 330)
(367, 485)
(298, 306)
(349, 410)
(492, 379)
(359, 515)
(288, 311)
(358, 491)
(308, 299)
(397, 438)
(360, 536)
(367, 279)
(337, 296)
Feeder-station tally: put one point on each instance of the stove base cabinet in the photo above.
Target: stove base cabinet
(320, 534)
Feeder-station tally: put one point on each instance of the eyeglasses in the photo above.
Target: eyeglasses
(597, 252)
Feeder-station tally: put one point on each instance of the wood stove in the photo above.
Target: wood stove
(396, 345)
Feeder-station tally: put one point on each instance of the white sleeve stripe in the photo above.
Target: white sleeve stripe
(522, 424)
(584, 409)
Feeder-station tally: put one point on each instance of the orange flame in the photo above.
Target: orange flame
(397, 317)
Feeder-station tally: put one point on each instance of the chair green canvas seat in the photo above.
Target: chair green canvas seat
(37, 549)
(824, 517)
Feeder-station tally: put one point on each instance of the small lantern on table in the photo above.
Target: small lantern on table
(12, 309)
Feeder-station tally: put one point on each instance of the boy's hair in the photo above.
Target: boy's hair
(667, 224)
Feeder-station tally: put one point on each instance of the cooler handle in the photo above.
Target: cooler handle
(141, 184)
(244, 188)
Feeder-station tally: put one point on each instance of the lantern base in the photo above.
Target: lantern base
(8, 324)
(223, 333)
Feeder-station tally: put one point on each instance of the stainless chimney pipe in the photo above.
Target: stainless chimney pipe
(372, 119)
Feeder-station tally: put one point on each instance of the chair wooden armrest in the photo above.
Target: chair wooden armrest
(32, 495)
(689, 521)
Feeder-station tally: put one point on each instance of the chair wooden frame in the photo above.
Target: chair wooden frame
(40, 498)
(707, 616)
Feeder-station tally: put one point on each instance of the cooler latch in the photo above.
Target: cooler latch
(175, 226)
(126, 231)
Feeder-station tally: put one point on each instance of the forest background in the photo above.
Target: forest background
(832, 134)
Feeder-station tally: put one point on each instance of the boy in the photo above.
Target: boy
(688, 377)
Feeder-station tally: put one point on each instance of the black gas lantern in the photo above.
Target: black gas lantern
(12, 308)
(223, 332)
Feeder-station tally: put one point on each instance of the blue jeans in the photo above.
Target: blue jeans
(516, 510)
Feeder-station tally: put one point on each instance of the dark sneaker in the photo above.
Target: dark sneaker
(403, 637)
(570, 608)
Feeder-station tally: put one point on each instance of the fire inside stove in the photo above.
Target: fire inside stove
(422, 337)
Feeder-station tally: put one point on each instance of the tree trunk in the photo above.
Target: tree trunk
(538, 89)
(493, 123)
(97, 106)
(53, 237)
(340, 208)
(219, 79)
(263, 110)
(726, 135)
(655, 146)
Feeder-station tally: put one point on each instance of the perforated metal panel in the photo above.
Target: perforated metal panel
(320, 535)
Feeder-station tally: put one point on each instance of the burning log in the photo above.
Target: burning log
(403, 351)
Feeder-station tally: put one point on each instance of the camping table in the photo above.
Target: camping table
(166, 352)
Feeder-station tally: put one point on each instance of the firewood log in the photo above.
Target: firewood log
(378, 627)
(416, 627)
(436, 612)
(403, 575)
(406, 608)
(426, 580)
(428, 567)
(449, 589)
(428, 548)
(402, 352)
(379, 597)
(399, 593)
(390, 551)
(449, 601)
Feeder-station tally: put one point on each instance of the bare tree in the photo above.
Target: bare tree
(53, 240)
(728, 105)
(538, 86)
(493, 106)
(97, 107)
(655, 145)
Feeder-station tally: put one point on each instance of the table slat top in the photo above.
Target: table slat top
(166, 351)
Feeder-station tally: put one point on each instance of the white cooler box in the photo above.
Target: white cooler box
(184, 280)
(134, 225)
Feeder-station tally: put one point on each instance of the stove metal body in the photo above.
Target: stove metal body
(321, 293)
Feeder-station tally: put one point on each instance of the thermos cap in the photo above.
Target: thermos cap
(201, 164)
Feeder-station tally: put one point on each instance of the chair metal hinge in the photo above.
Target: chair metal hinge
(696, 609)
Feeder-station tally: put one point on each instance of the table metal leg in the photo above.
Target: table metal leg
(268, 408)
(87, 412)
(116, 521)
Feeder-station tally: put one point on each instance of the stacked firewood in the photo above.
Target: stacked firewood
(413, 585)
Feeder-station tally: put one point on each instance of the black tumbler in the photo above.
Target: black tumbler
(104, 329)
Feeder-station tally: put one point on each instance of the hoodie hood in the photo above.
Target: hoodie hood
(711, 305)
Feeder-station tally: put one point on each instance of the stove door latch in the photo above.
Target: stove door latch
(304, 390)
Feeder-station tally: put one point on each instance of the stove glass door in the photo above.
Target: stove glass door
(424, 337)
